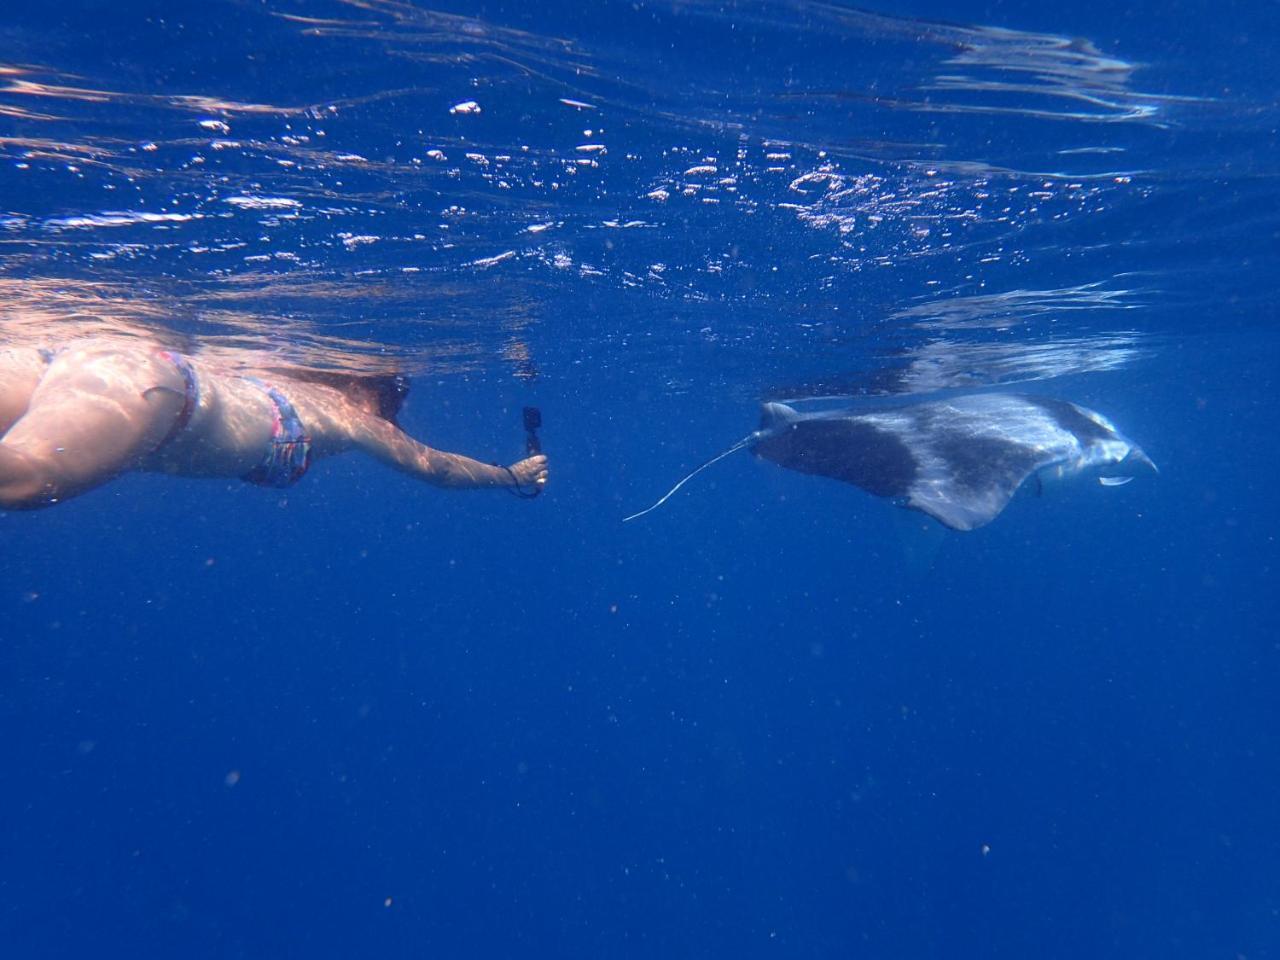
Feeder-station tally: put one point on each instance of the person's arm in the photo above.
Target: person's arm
(391, 445)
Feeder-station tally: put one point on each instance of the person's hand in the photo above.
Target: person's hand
(531, 473)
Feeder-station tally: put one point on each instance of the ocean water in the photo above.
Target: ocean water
(777, 717)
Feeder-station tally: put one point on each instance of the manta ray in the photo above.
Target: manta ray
(960, 460)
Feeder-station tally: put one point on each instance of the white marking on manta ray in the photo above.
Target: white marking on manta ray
(958, 460)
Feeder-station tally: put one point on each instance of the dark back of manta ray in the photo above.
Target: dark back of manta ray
(844, 449)
(975, 473)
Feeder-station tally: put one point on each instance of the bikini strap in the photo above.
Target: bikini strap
(190, 395)
(289, 455)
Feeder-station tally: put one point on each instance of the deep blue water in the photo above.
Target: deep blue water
(778, 717)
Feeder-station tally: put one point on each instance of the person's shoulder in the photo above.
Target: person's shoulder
(378, 395)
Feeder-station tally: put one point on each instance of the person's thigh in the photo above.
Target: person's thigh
(95, 412)
(20, 371)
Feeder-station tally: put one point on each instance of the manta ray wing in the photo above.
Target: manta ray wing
(969, 472)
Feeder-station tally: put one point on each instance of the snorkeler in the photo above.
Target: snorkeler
(73, 418)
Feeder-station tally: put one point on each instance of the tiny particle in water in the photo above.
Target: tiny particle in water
(467, 106)
(232, 778)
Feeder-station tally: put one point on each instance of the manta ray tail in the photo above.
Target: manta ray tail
(716, 459)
